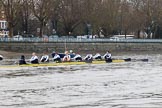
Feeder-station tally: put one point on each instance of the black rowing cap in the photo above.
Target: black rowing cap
(22, 57)
(1, 57)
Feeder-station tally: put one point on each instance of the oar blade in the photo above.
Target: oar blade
(144, 60)
(127, 60)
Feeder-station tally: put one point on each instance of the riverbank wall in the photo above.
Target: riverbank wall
(39, 47)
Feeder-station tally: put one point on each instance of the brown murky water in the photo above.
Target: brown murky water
(115, 85)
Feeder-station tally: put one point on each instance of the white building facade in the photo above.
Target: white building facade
(3, 28)
(3, 25)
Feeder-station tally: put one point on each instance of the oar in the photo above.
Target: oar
(128, 59)
(143, 60)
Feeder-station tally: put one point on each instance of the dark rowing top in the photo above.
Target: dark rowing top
(62, 55)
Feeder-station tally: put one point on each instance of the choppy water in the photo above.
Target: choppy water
(115, 85)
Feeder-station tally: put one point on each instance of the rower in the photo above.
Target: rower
(53, 54)
(57, 58)
(34, 58)
(107, 57)
(97, 56)
(77, 57)
(89, 57)
(72, 54)
(22, 60)
(67, 56)
(1, 57)
(61, 55)
(44, 58)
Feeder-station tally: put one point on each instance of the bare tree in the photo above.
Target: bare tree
(54, 18)
(42, 11)
(73, 16)
(12, 9)
(126, 17)
(70, 15)
(89, 10)
(106, 16)
(25, 14)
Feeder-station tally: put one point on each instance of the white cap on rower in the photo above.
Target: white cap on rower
(71, 51)
(1, 56)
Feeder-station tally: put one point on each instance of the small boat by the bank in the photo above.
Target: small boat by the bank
(73, 63)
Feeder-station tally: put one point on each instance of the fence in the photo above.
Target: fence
(75, 40)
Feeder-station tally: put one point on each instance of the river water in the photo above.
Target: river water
(115, 85)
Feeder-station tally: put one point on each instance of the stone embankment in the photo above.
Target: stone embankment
(41, 47)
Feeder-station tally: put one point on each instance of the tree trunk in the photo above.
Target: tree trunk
(138, 34)
(125, 33)
(26, 26)
(41, 29)
(10, 30)
(54, 24)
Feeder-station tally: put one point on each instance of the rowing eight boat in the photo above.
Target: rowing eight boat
(71, 63)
